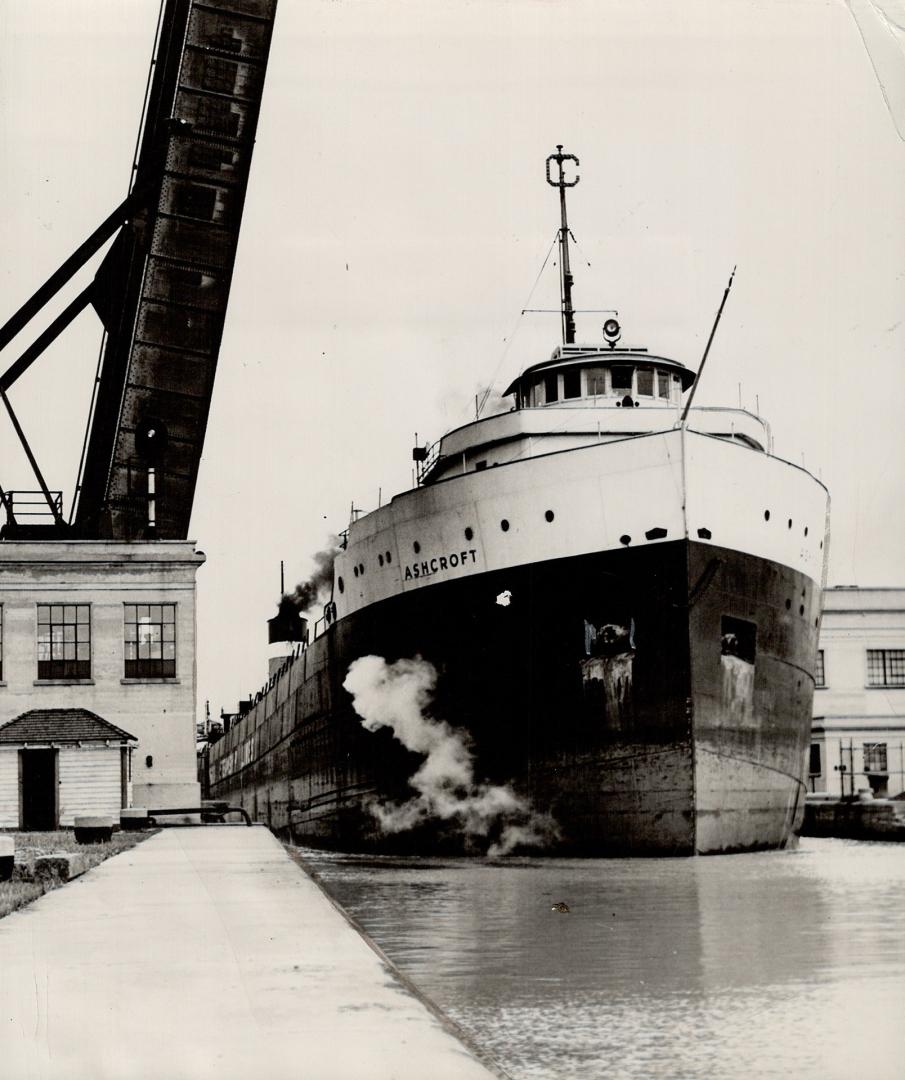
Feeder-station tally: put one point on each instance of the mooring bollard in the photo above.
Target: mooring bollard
(7, 857)
(133, 818)
(94, 830)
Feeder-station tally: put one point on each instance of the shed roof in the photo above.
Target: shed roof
(60, 726)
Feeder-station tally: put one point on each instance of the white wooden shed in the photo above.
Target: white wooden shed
(57, 764)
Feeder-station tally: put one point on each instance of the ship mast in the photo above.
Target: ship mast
(565, 277)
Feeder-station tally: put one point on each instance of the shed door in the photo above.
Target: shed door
(39, 789)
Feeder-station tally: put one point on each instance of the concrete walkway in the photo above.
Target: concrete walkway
(207, 952)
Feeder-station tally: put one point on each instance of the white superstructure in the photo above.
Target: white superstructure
(594, 456)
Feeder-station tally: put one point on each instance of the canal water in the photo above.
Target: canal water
(783, 964)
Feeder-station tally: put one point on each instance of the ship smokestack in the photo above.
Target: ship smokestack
(287, 625)
(286, 628)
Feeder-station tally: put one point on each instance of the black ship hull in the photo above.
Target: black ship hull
(653, 701)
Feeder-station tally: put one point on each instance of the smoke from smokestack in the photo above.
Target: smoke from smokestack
(317, 587)
(396, 696)
(491, 402)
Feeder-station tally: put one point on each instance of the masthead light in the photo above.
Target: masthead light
(612, 331)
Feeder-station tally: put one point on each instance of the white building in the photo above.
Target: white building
(108, 628)
(858, 732)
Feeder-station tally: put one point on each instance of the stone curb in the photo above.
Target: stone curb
(61, 865)
(24, 870)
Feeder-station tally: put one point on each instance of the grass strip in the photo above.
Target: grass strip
(29, 845)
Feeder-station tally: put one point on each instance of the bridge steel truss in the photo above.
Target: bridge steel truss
(162, 289)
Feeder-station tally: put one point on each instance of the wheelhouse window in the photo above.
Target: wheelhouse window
(150, 641)
(663, 384)
(1, 642)
(596, 378)
(571, 383)
(886, 667)
(64, 641)
(551, 388)
(645, 382)
(820, 670)
(622, 377)
(814, 768)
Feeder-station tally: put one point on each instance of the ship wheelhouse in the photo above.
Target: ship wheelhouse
(586, 394)
(578, 374)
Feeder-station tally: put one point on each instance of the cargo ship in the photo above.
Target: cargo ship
(619, 595)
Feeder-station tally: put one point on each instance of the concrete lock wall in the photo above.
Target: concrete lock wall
(158, 712)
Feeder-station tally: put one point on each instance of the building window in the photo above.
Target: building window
(820, 670)
(64, 641)
(150, 641)
(814, 768)
(886, 667)
(875, 757)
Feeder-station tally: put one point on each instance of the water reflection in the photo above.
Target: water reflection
(741, 966)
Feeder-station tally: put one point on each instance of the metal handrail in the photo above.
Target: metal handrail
(17, 499)
(211, 808)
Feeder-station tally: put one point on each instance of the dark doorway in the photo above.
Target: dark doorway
(39, 789)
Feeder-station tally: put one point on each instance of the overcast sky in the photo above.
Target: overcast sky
(397, 218)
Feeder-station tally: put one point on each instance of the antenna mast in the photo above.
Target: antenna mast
(568, 316)
(716, 323)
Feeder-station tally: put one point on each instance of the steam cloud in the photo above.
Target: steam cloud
(397, 696)
(316, 588)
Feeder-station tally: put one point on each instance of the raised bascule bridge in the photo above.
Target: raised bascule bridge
(97, 604)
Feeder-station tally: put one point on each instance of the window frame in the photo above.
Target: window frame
(879, 674)
(150, 668)
(820, 670)
(630, 389)
(646, 372)
(54, 668)
(594, 377)
(875, 758)
(572, 380)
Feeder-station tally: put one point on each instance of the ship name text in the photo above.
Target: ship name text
(453, 561)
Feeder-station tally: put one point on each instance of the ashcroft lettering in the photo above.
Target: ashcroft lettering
(455, 560)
